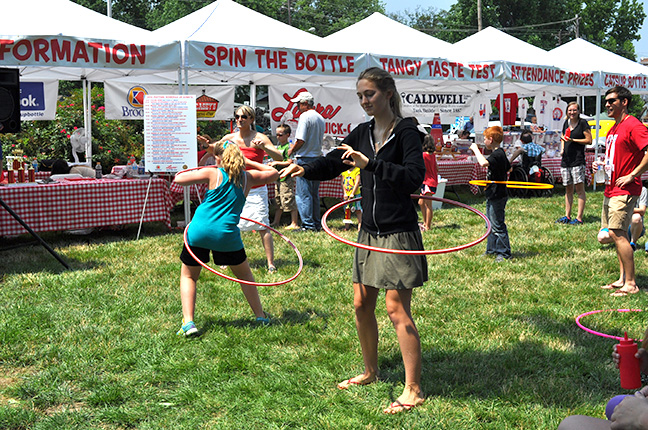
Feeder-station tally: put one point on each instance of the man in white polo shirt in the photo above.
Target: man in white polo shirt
(307, 148)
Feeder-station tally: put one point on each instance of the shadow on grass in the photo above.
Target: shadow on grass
(529, 369)
(288, 317)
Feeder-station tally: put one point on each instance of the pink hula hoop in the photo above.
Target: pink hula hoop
(609, 336)
(408, 252)
(242, 281)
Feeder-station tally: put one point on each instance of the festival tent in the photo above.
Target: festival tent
(227, 43)
(613, 69)
(527, 69)
(58, 39)
(378, 34)
(610, 69)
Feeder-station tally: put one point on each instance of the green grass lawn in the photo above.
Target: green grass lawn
(95, 347)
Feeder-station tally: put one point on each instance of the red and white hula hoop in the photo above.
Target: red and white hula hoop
(243, 281)
(408, 252)
(609, 336)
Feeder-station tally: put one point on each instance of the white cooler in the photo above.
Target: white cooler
(440, 191)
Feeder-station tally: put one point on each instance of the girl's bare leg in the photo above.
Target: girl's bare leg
(188, 279)
(399, 310)
(242, 271)
(364, 301)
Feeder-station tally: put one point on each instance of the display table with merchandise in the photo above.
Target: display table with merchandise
(82, 204)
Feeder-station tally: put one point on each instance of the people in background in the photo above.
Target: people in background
(575, 136)
(255, 146)
(285, 188)
(307, 147)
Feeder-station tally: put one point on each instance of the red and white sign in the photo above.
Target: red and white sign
(78, 52)
(339, 107)
(126, 101)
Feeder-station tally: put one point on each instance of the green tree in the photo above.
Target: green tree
(611, 24)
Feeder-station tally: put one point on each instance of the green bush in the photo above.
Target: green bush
(113, 141)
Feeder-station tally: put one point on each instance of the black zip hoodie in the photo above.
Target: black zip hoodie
(388, 180)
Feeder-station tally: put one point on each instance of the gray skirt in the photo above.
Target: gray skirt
(390, 271)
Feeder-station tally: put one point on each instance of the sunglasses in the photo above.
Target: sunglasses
(240, 116)
(611, 100)
(280, 134)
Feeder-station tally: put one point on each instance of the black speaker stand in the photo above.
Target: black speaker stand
(33, 233)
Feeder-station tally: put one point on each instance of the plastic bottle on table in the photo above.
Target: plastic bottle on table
(141, 168)
(599, 176)
(35, 164)
(98, 171)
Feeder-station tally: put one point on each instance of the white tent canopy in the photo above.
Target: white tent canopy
(378, 34)
(58, 39)
(226, 43)
(614, 69)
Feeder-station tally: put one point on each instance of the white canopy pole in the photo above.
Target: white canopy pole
(501, 106)
(88, 129)
(597, 127)
(253, 95)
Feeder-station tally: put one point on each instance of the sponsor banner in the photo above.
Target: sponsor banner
(547, 75)
(99, 53)
(170, 132)
(126, 101)
(423, 105)
(38, 100)
(438, 68)
(230, 58)
(631, 82)
(339, 107)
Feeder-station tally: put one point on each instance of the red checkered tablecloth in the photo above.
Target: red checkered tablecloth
(330, 188)
(457, 172)
(83, 204)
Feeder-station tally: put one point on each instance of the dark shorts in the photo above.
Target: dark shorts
(233, 258)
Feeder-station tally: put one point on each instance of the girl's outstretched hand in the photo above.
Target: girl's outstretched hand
(291, 171)
(352, 157)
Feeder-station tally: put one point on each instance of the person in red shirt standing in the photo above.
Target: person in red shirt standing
(625, 160)
(430, 182)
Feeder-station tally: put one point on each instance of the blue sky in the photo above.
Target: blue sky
(641, 47)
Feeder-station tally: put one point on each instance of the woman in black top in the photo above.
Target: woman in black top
(388, 151)
(576, 135)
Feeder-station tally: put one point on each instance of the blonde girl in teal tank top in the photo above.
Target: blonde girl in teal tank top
(214, 227)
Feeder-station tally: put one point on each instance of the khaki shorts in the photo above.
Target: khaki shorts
(617, 212)
(285, 195)
(390, 271)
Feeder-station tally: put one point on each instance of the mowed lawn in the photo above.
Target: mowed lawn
(95, 347)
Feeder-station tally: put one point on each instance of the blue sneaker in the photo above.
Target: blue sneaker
(564, 220)
(575, 221)
(263, 321)
(188, 329)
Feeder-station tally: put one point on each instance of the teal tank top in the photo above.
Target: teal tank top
(215, 223)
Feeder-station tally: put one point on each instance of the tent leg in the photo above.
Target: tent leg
(33, 233)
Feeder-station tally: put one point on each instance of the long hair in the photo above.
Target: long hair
(232, 160)
(428, 144)
(384, 81)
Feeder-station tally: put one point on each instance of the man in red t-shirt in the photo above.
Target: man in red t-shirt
(625, 160)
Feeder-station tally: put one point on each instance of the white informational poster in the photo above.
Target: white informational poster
(339, 107)
(126, 100)
(38, 100)
(423, 105)
(170, 133)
